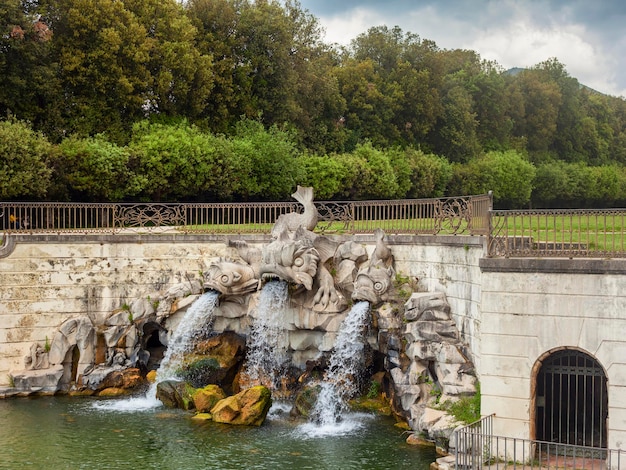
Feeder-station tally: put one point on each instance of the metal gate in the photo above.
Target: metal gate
(571, 400)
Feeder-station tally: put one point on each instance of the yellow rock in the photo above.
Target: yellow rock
(151, 376)
(112, 392)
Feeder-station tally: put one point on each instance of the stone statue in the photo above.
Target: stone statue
(294, 220)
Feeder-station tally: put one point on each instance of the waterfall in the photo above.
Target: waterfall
(267, 347)
(346, 363)
(195, 323)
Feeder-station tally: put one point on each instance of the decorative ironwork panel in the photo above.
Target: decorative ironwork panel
(148, 216)
(453, 215)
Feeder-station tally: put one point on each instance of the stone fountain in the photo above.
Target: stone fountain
(411, 346)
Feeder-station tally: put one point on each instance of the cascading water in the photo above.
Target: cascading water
(195, 323)
(346, 362)
(267, 349)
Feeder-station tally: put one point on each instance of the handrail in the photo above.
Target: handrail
(563, 233)
(452, 215)
(476, 447)
(569, 233)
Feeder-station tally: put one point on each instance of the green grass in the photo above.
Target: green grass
(578, 231)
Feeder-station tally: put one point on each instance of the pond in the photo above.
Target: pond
(89, 433)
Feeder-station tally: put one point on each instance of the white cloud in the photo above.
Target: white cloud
(514, 34)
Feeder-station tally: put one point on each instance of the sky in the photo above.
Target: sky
(588, 37)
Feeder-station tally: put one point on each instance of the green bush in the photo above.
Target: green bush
(24, 167)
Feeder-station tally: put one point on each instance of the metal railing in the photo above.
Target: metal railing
(571, 233)
(454, 215)
(476, 448)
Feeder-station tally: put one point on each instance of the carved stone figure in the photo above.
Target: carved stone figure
(230, 278)
(294, 220)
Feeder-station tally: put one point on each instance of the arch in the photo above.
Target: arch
(151, 343)
(569, 398)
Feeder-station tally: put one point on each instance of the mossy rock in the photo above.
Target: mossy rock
(175, 394)
(207, 397)
(305, 400)
(248, 408)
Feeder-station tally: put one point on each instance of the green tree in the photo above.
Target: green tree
(92, 169)
(370, 175)
(325, 173)
(30, 86)
(178, 161)
(180, 76)
(430, 174)
(24, 167)
(560, 184)
(508, 174)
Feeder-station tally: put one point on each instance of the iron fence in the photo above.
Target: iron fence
(477, 448)
(454, 215)
(571, 233)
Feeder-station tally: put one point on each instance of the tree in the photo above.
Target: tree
(93, 169)
(271, 161)
(177, 161)
(30, 84)
(181, 77)
(430, 174)
(24, 169)
(508, 174)
(325, 173)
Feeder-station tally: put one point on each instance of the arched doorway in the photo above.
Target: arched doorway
(571, 400)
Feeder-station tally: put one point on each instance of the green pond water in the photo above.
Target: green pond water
(87, 433)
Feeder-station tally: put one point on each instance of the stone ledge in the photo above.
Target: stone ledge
(173, 237)
(553, 265)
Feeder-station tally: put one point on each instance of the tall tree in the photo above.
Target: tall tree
(30, 86)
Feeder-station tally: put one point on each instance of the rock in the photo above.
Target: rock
(248, 407)
(151, 376)
(46, 380)
(141, 308)
(305, 401)
(202, 416)
(215, 361)
(419, 302)
(207, 397)
(175, 394)
(416, 440)
(124, 379)
(112, 392)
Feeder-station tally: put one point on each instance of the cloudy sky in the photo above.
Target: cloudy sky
(587, 36)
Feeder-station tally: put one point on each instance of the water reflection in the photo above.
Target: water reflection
(72, 433)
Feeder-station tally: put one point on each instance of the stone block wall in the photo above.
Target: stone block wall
(47, 279)
(531, 307)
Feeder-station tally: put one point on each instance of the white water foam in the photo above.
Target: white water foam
(349, 423)
(345, 363)
(196, 322)
(267, 347)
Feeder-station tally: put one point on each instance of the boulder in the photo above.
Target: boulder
(125, 379)
(175, 394)
(248, 407)
(204, 399)
(113, 392)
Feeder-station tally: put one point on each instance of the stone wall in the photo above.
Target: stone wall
(534, 306)
(47, 279)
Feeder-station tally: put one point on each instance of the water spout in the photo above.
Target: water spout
(267, 347)
(345, 365)
(195, 323)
